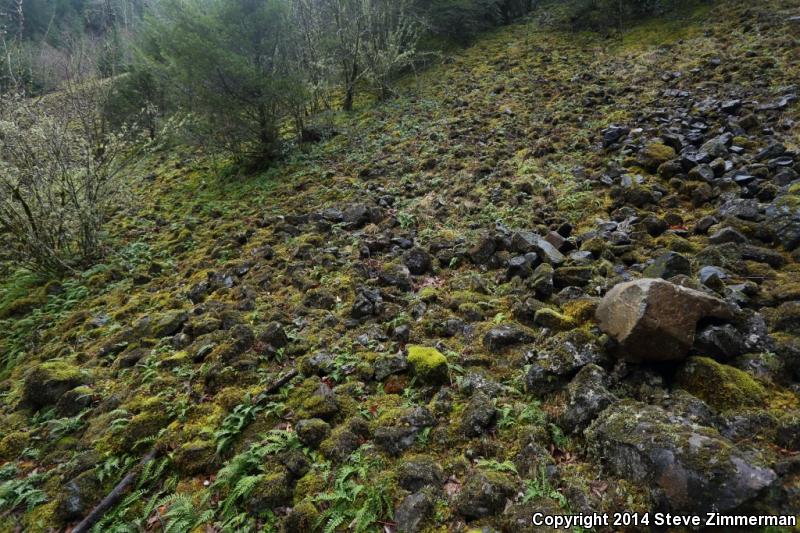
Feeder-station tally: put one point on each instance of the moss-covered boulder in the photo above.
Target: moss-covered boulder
(78, 496)
(552, 319)
(420, 471)
(396, 430)
(321, 404)
(341, 443)
(46, 383)
(689, 468)
(429, 364)
(303, 517)
(654, 154)
(273, 489)
(12, 444)
(312, 431)
(485, 494)
(720, 386)
(194, 457)
(168, 324)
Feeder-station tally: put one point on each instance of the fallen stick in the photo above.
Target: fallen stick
(276, 385)
(115, 495)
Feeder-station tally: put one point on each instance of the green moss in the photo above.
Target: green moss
(318, 406)
(46, 383)
(552, 319)
(23, 306)
(41, 518)
(303, 517)
(12, 445)
(720, 386)
(311, 484)
(428, 294)
(655, 154)
(581, 310)
(195, 457)
(429, 364)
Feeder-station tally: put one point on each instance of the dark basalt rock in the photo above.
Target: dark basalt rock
(690, 468)
(496, 339)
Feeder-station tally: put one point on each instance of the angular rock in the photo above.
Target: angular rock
(503, 336)
(720, 342)
(669, 265)
(368, 303)
(542, 281)
(484, 494)
(586, 397)
(413, 511)
(418, 472)
(478, 416)
(654, 320)
(572, 276)
(727, 235)
(689, 468)
(418, 261)
(527, 241)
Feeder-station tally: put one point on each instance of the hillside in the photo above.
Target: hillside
(437, 273)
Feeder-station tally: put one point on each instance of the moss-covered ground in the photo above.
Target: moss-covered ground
(219, 284)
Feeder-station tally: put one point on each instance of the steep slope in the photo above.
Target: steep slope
(452, 373)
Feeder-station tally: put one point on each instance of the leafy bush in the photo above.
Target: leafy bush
(614, 14)
(60, 176)
(462, 20)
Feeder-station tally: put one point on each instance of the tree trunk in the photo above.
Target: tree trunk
(351, 87)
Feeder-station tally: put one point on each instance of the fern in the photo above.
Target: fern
(19, 333)
(356, 497)
(21, 493)
(183, 515)
(241, 491)
(152, 471)
(540, 487)
(242, 415)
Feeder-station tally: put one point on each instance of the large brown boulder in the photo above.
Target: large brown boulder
(655, 320)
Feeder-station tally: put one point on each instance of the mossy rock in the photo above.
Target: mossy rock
(168, 324)
(138, 429)
(274, 489)
(429, 364)
(194, 457)
(303, 517)
(23, 306)
(581, 310)
(654, 154)
(40, 518)
(340, 444)
(47, 382)
(720, 386)
(312, 431)
(12, 445)
(78, 496)
(321, 404)
(310, 485)
(485, 494)
(552, 319)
